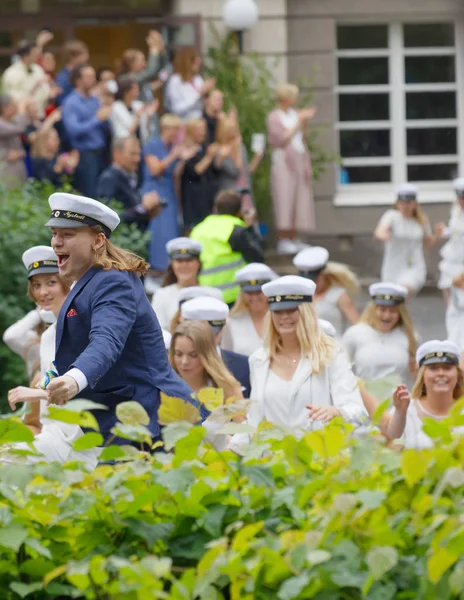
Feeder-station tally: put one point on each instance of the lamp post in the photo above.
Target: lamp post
(240, 15)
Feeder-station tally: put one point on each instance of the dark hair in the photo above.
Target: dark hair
(124, 86)
(25, 47)
(102, 70)
(170, 277)
(76, 73)
(228, 202)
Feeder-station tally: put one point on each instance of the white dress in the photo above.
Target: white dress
(375, 354)
(403, 258)
(413, 436)
(452, 253)
(455, 317)
(327, 308)
(165, 303)
(240, 335)
(183, 98)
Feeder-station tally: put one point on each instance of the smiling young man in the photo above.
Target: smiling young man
(109, 345)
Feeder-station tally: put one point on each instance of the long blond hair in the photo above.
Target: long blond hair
(240, 305)
(369, 317)
(419, 390)
(315, 345)
(338, 274)
(224, 128)
(175, 321)
(110, 256)
(190, 128)
(203, 339)
(418, 214)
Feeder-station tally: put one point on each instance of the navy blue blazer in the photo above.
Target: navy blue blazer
(239, 367)
(116, 341)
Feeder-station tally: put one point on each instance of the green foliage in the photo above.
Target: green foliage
(325, 517)
(247, 82)
(23, 213)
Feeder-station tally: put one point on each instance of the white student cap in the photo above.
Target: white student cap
(311, 261)
(70, 210)
(288, 292)
(436, 352)
(183, 247)
(388, 294)
(40, 259)
(252, 277)
(198, 291)
(459, 186)
(407, 192)
(167, 337)
(212, 310)
(327, 328)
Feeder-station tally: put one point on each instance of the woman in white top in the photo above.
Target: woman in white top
(301, 379)
(53, 439)
(383, 342)
(439, 383)
(452, 253)
(186, 88)
(405, 230)
(291, 170)
(455, 313)
(336, 286)
(182, 272)
(129, 116)
(245, 327)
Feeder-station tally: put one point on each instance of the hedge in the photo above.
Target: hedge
(23, 213)
(326, 517)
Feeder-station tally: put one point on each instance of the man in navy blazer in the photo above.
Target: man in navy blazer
(109, 344)
(215, 312)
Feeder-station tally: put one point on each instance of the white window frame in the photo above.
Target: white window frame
(368, 194)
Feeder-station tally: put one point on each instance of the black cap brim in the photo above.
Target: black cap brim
(439, 360)
(381, 302)
(184, 256)
(64, 223)
(284, 305)
(43, 271)
(249, 288)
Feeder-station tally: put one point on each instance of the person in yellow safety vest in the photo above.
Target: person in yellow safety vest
(229, 242)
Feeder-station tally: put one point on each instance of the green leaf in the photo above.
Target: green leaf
(173, 432)
(380, 560)
(81, 404)
(87, 441)
(439, 562)
(318, 557)
(292, 588)
(132, 413)
(112, 453)
(35, 544)
(13, 431)
(384, 387)
(414, 465)
(135, 433)
(13, 536)
(379, 411)
(24, 589)
(371, 499)
(83, 419)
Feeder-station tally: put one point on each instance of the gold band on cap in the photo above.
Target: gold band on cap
(39, 264)
(446, 356)
(68, 215)
(389, 297)
(289, 298)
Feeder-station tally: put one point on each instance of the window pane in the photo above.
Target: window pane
(353, 37)
(428, 35)
(355, 144)
(429, 69)
(431, 105)
(432, 141)
(366, 174)
(362, 71)
(364, 107)
(432, 172)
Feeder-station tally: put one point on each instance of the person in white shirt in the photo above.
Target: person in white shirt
(452, 253)
(186, 88)
(245, 327)
(439, 384)
(336, 286)
(384, 341)
(129, 116)
(301, 379)
(182, 272)
(406, 230)
(455, 314)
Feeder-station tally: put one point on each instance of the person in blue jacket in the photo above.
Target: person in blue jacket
(109, 344)
(215, 312)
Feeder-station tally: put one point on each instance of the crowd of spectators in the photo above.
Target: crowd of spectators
(154, 136)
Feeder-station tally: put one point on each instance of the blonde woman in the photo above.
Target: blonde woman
(439, 384)
(193, 355)
(189, 293)
(229, 159)
(109, 344)
(291, 172)
(244, 331)
(406, 230)
(301, 378)
(336, 286)
(384, 341)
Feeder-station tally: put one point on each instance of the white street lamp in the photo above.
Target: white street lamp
(240, 15)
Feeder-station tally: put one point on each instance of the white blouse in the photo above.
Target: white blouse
(183, 98)
(452, 253)
(165, 303)
(375, 354)
(22, 339)
(327, 308)
(289, 119)
(240, 335)
(455, 317)
(414, 436)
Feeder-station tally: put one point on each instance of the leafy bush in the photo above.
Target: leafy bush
(324, 517)
(23, 213)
